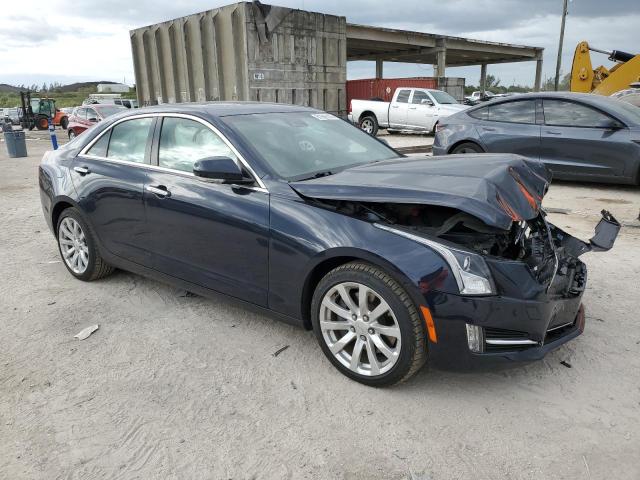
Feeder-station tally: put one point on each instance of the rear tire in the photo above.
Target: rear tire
(350, 331)
(64, 123)
(467, 147)
(369, 123)
(78, 248)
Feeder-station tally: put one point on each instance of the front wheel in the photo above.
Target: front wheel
(78, 248)
(64, 123)
(367, 325)
(42, 123)
(369, 124)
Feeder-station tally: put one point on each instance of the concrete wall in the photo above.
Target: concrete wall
(222, 54)
(454, 86)
(112, 88)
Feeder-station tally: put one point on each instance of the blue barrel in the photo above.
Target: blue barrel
(16, 144)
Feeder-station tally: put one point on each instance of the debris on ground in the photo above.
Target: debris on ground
(280, 350)
(82, 334)
(187, 294)
(566, 364)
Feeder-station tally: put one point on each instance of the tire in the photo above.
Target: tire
(72, 135)
(369, 123)
(73, 235)
(64, 122)
(42, 123)
(404, 343)
(467, 147)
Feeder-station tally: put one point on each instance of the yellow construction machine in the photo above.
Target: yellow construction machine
(602, 80)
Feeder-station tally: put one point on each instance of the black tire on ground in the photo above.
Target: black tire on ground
(96, 267)
(369, 123)
(468, 147)
(42, 123)
(64, 123)
(413, 348)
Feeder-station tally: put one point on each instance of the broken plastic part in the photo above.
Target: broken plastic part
(606, 233)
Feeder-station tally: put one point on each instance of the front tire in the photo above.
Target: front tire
(64, 123)
(369, 123)
(78, 248)
(367, 325)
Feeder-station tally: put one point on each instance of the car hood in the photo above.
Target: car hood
(497, 189)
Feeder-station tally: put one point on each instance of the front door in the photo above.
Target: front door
(109, 181)
(421, 111)
(578, 140)
(209, 233)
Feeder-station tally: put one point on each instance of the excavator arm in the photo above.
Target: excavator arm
(602, 80)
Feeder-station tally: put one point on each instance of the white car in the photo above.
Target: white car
(414, 109)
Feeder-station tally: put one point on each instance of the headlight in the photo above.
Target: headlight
(469, 269)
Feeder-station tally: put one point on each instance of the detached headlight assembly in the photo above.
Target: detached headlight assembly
(469, 269)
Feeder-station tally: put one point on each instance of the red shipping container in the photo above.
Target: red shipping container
(383, 88)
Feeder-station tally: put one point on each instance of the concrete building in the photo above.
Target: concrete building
(253, 51)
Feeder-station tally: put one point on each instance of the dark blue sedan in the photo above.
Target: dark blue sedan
(390, 260)
(577, 136)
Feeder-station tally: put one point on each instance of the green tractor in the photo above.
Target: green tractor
(36, 112)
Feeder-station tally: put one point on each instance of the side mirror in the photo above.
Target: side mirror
(220, 168)
(426, 101)
(94, 120)
(610, 124)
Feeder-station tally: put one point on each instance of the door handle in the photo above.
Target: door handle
(551, 132)
(82, 170)
(488, 129)
(412, 108)
(159, 190)
(395, 106)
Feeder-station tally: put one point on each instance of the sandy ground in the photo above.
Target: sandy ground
(178, 387)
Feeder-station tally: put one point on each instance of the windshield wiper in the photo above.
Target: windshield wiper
(326, 173)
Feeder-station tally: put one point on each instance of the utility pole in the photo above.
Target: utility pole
(559, 61)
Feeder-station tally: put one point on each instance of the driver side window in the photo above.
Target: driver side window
(419, 96)
(183, 142)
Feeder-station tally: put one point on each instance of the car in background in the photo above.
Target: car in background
(88, 115)
(12, 114)
(577, 136)
(413, 109)
(389, 260)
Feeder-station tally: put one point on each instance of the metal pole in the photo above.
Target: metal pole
(559, 61)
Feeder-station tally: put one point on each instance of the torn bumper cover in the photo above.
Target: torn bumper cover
(528, 318)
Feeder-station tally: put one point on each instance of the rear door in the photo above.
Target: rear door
(108, 177)
(510, 127)
(577, 140)
(206, 232)
(399, 109)
(421, 111)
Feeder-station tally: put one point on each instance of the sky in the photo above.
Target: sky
(46, 41)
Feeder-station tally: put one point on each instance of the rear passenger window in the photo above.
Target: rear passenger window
(183, 142)
(99, 148)
(514, 112)
(403, 96)
(480, 113)
(570, 114)
(129, 140)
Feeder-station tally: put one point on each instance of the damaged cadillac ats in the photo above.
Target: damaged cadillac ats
(391, 261)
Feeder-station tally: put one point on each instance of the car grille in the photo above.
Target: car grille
(499, 340)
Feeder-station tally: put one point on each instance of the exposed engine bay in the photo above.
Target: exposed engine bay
(547, 250)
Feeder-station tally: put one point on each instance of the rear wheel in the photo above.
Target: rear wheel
(64, 123)
(369, 124)
(78, 248)
(467, 147)
(367, 325)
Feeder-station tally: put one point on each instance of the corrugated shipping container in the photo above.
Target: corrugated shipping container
(383, 88)
(244, 51)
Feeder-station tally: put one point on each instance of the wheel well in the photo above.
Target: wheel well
(367, 114)
(55, 214)
(455, 145)
(312, 281)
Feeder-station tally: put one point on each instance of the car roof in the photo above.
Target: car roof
(223, 109)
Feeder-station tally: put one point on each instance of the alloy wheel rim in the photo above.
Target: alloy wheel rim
(73, 245)
(367, 126)
(360, 329)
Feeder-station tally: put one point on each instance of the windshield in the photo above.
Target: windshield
(631, 112)
(300, 145)
(443, 97)
(109, 110)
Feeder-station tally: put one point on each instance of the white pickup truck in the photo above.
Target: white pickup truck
(415, 109)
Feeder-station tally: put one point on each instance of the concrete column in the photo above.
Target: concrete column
(483, 77)
(379, 69)
(538, 82)
(441, 57)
